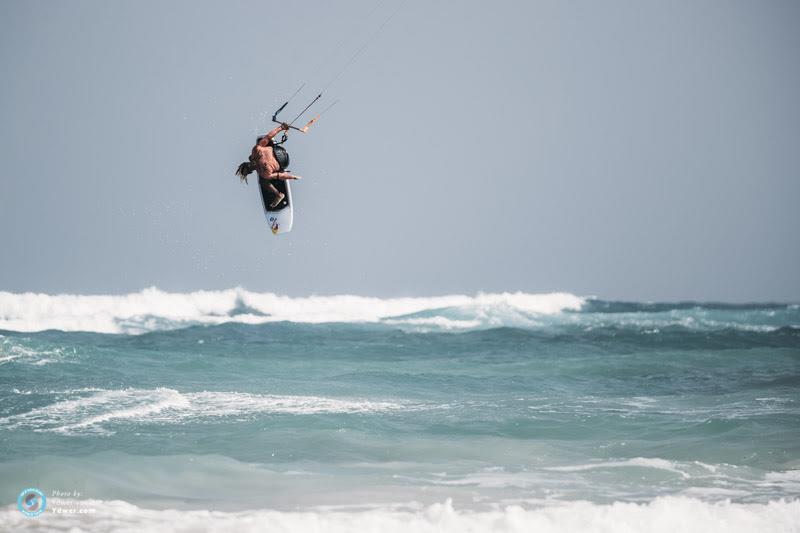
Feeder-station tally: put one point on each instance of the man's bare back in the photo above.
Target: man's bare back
(263, 157)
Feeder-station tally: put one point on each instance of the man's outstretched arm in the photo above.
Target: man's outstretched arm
(269, 136)
(283, 176)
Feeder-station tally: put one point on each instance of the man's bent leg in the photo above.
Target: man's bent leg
(279, 196)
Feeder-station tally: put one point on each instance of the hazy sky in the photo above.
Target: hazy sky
(624, 149)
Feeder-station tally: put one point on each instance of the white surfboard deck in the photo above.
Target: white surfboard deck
(281, 217)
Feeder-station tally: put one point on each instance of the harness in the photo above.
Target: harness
(281, 156)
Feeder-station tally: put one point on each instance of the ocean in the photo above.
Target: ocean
(240, 411)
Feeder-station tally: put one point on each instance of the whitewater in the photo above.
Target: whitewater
(234, 410)
(153, 309)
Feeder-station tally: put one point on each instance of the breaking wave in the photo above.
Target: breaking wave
(153, 309)
(94, 410)
(664, 514)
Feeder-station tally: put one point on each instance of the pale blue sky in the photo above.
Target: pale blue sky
(625, 149)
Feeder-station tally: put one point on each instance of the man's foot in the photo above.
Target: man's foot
(278, 199)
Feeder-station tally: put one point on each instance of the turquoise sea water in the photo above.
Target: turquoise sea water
(343, 409)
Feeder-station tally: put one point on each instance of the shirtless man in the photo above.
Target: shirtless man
(263, 161)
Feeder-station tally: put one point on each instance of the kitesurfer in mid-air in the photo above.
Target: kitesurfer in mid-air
(264, 162)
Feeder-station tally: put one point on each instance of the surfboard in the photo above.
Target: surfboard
(281, 216)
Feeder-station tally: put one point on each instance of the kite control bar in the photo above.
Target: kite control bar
(309, 123)
(275, 118)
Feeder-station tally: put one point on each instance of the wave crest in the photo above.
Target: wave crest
(665, 514)
(153, 309)
(93, 412)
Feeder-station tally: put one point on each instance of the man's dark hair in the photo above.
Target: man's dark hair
(244, 170)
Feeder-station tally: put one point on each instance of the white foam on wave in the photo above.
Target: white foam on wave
(656, 322)
(788, 480)
(661, 515)
(434, 323)
(14, 350)
(153, 309)
(637, 462)
(92, 413)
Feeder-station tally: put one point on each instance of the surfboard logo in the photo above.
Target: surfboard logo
(273, 222)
